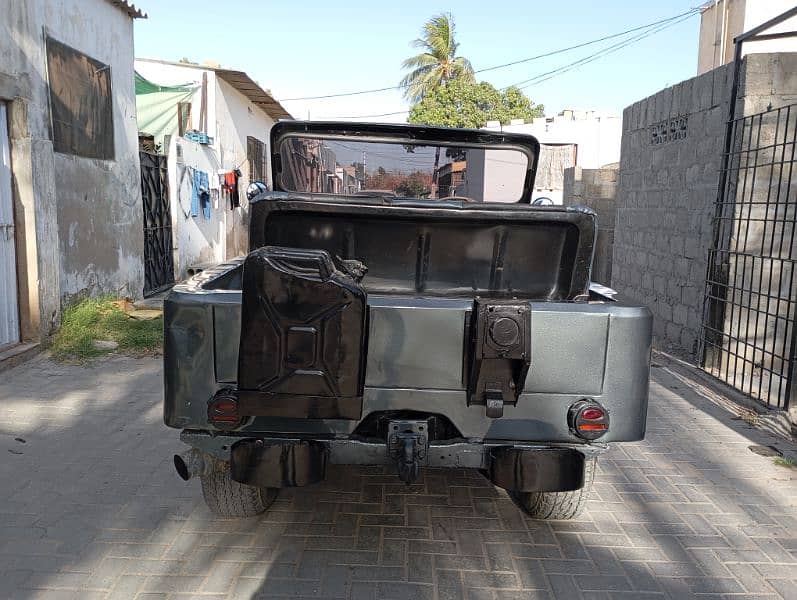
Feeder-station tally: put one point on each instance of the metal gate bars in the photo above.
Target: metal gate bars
(158, 253)
(750, 305)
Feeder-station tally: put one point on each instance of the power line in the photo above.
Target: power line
(390, 114)
(564, 68)
(591, 57)
(688, 13)
(503, 65)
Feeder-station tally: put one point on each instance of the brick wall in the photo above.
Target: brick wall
(595, 188)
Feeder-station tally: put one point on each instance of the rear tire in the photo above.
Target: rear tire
(228, 498)
(560, 505)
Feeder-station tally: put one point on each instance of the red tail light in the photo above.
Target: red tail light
(223, 411)
(588, 419)
(592, 414)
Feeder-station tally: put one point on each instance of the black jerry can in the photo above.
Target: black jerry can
(303, 336)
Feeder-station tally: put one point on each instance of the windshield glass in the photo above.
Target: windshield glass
(364, 168)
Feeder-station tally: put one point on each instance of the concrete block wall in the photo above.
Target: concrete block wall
(596, 188)
(667, 188)
(665, 202)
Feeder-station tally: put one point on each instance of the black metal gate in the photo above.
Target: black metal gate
(158, 256)
(750, 304)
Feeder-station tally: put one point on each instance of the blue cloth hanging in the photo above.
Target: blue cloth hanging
(200, 194)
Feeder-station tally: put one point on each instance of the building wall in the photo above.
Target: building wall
(667, 189)
(239, 118)
(100, 215)
(78, 221)
(231, 117)
(725, 19)
(594, 135)
(597, 189)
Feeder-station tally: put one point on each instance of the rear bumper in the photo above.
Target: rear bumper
(294, 462)
(415, 362)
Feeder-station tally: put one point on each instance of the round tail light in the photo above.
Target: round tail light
(223, 410)
(588, 419)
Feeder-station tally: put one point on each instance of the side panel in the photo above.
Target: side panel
(416, 344)
(567, 357)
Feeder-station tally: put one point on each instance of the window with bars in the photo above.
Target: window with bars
(256, 155)
(81, 104)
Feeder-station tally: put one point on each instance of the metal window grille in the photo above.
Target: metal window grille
(749, 332)
(158, 251)
(256, 155)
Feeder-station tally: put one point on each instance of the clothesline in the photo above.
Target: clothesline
(202, 192)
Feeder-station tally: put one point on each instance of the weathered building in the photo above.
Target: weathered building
(71, 157)
(723, 20)
(574, 138)
(209, 123)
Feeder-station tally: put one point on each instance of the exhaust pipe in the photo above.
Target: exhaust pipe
(189, 464)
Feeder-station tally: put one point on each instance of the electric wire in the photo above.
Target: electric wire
(688, 13)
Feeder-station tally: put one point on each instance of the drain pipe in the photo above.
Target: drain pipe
(190, 464)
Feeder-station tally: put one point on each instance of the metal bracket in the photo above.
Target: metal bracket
(408, 446)
(494, 401)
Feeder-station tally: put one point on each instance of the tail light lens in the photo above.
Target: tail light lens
(223, 411)
(588, 419)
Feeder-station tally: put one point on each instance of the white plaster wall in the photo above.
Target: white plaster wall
(597, 137)
(100, 215)
(196, 240)
(84, 214)
(237, 119)
(722, 21)
(23, 82)
(231, 118)
(761, 11)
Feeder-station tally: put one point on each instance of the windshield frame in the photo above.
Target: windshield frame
(406, 134)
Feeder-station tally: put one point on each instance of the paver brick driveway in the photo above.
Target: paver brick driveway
(90, 508)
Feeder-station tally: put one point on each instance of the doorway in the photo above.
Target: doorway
(9, 301)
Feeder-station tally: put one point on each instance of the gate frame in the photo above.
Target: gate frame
(755, 34)
(163, 189)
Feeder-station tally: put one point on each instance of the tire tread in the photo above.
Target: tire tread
(228, 498)
(560, 505)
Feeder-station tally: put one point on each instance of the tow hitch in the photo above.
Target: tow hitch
(407, 445)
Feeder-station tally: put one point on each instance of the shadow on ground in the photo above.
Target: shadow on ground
(90, 507)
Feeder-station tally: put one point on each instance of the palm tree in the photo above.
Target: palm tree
(439, 63)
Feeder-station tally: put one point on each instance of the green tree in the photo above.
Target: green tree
(439, 63)
(463, 103)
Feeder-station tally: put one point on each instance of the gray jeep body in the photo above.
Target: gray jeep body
(427, 384)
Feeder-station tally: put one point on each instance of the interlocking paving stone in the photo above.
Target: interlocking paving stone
(92, 509)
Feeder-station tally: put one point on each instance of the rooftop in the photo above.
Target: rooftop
(241, 82)
(129, 8)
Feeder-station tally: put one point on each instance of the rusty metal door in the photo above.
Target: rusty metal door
(158, 251)
(9, 307)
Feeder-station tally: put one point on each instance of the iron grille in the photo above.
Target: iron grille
(158, 251)
(749, 311)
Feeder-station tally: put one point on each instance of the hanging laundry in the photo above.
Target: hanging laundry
(200, 195)
(215, 190)
(231, 187)
(222, 185)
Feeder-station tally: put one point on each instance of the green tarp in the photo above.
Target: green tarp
(156, 107)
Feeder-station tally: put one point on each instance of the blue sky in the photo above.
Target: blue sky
(306, 48)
